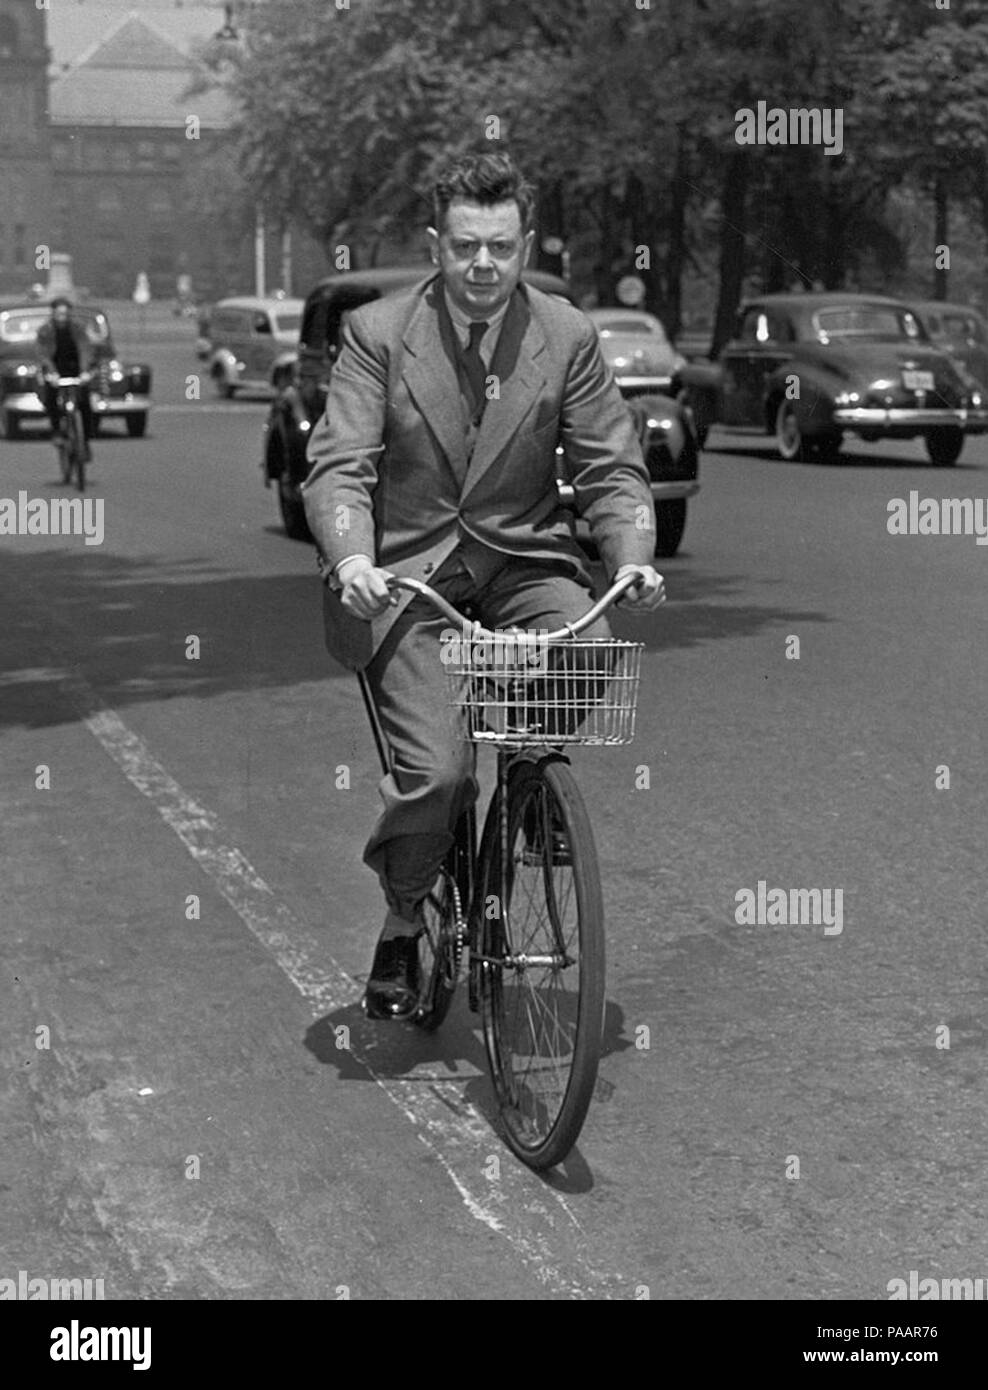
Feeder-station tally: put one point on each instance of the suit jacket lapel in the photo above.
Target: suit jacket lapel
(520, 379)
(431, 378)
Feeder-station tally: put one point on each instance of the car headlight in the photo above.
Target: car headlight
(24, 370)
(659, 424)
(976, 400)
(847, 398)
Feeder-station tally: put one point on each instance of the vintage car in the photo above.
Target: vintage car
(665, 427)
(959, 331)
(119, 391)
(250, 341)
(810, 367)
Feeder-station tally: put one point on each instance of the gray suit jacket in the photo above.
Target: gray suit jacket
(389, 475)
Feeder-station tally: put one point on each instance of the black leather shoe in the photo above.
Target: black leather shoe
(395, 980)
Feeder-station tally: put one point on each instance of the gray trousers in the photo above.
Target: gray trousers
(432, 781)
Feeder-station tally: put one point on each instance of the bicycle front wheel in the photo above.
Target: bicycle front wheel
(542, 960)
(77, 449)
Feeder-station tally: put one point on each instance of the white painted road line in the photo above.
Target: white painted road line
(518, 1206)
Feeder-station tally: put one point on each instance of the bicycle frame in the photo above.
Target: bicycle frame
(469, 913)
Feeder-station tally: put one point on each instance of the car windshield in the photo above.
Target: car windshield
(288, 323)
(877, 322)
(21, 325)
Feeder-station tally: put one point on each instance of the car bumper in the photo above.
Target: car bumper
(906, 419)
(28, 403)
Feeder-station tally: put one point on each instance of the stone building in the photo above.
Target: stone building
(142, 181)
(25, 179)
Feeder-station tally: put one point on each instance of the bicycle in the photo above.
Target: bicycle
(523, 906)
(70, 436)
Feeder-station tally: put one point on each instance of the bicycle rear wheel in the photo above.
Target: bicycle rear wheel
(441, 944)
(542, 961)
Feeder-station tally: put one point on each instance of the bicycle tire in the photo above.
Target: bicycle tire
(441, 943)
(77, 449)
(542, 1038)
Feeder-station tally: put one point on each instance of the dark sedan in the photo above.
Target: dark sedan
(664, 426)
(119, 391)
(810, 367)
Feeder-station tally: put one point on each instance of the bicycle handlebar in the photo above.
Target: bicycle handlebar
(416, 586)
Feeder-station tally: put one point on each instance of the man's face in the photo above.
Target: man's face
(481, 252)
(60, 315)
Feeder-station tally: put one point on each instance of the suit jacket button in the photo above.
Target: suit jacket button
(428, 569)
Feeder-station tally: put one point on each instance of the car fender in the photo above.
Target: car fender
(282, 368)
(814, 403)
(224, 365)
(667, 435)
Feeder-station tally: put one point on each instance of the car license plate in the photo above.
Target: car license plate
(917, 381)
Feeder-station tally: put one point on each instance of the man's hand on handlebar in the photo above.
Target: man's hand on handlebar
(647, 594)
(365, 592)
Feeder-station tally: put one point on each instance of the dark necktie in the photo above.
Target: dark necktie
(475, 369)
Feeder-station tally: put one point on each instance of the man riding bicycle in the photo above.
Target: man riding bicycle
(64, 350)
(436, 460)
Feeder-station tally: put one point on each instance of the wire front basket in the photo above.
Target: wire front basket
(525, 692)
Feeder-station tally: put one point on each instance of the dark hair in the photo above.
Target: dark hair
(485, 179)
(60, 299)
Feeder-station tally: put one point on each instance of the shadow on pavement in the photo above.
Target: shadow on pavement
(123, 624)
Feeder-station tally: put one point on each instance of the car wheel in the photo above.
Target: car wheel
(823, 448)
(788, 434)
(292, 508)
(223, 388)
(10, 425)
(670, 523)
(944, 446)
(137, 425)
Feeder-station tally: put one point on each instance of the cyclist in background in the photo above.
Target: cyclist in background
(64, 350)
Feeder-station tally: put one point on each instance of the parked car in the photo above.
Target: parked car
(651, 375)
(959, 331)
(665, 427)
(119, 391)
(251, 341)
(808, 367)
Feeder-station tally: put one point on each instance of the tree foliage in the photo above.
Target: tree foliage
(624, 112)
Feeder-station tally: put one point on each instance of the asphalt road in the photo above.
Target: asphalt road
(195, 1129)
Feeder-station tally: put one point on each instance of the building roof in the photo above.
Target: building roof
(73, 27)
(134, 74)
